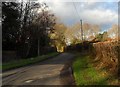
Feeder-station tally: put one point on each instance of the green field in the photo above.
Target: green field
(24, 62)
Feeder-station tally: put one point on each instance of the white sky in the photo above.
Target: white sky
(101, 12)
(104, 14)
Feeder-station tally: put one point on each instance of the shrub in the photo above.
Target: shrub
(106, 53)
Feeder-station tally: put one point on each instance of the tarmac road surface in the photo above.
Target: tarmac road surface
(43, 73)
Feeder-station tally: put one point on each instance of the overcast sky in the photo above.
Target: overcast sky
(104, 14)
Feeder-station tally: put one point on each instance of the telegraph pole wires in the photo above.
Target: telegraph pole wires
(82, 37)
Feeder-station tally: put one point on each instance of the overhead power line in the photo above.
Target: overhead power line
(80, 20)
(76, 9)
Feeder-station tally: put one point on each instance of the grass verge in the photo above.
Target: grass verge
(24, 62)
(86, 74)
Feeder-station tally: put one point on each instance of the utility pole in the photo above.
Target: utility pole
(81, 31)
(82, 36)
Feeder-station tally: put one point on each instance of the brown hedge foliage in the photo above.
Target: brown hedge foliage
(106, 55)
